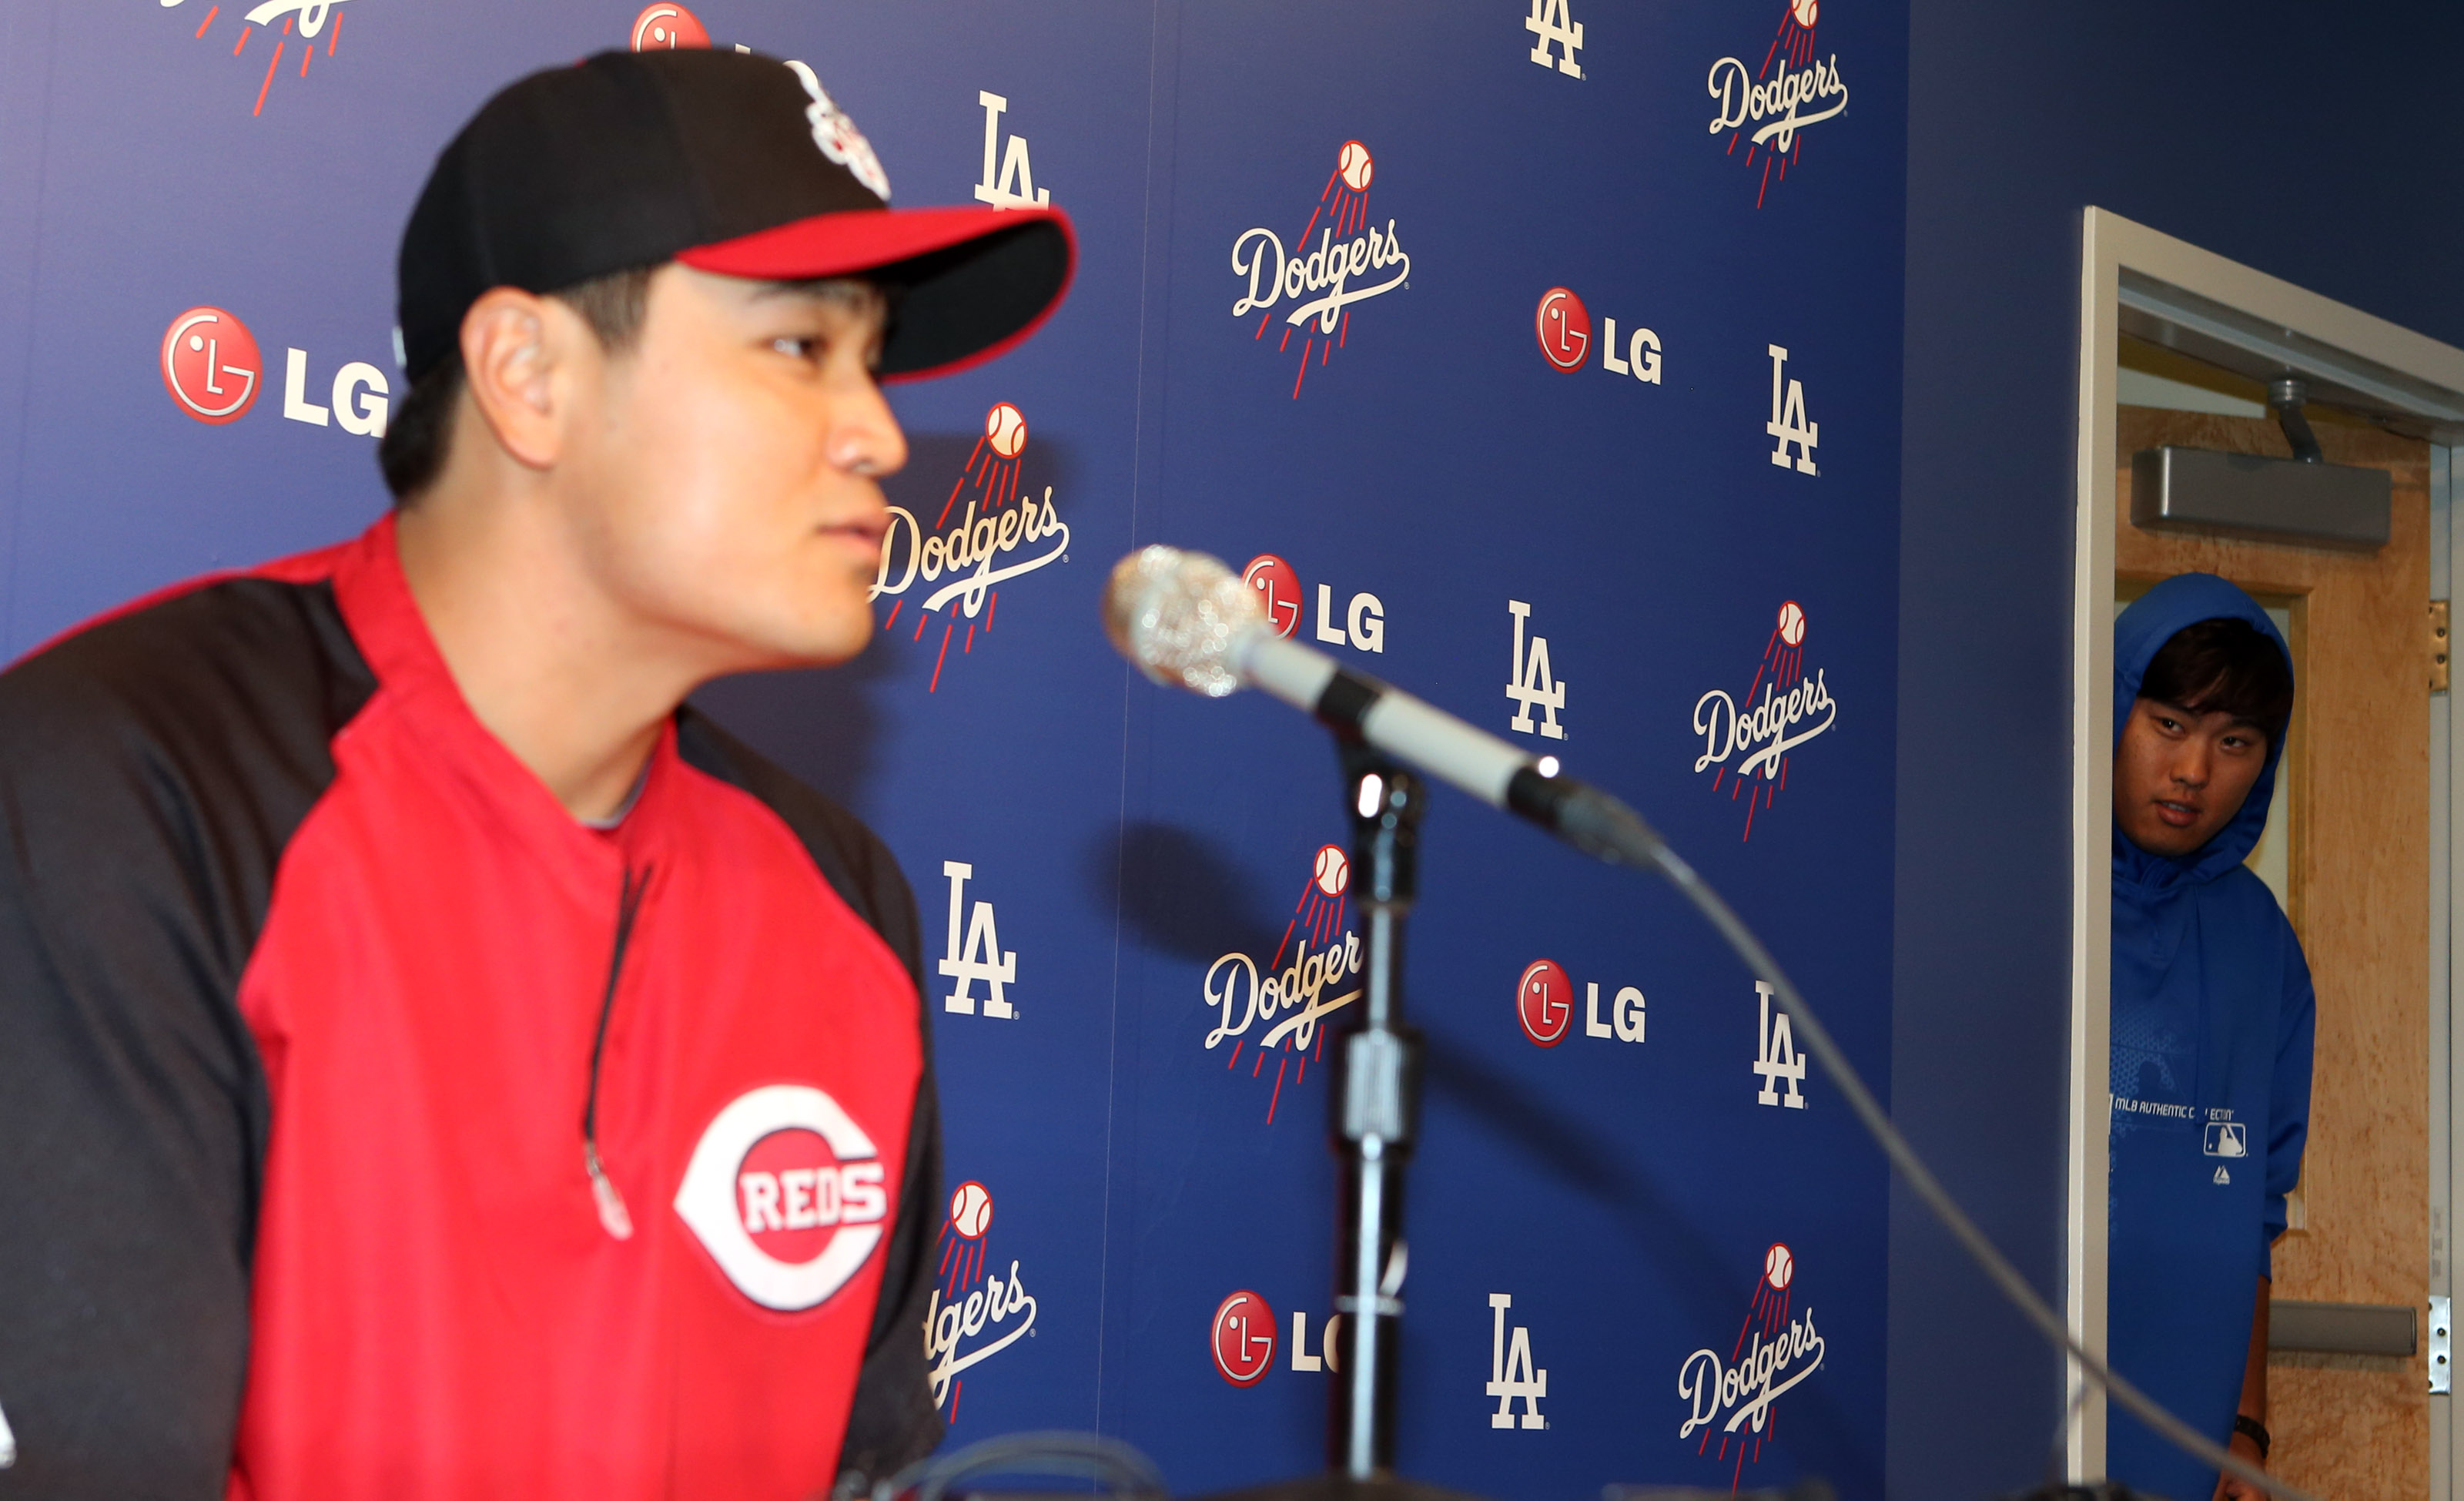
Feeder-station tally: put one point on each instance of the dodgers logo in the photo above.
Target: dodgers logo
(1351, 261)
(303, 23)
(1287, 1001)
(1774, 1349)
(972, 1316)
(786, 1193)
(1770, 107)
(1748, 740)
(1005, 533)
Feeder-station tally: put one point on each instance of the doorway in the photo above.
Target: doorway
(2175, 343)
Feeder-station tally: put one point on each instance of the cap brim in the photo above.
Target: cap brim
(976, 281)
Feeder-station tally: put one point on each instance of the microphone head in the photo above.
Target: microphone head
(1180, 616)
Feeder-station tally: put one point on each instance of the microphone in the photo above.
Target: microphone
(1187, 621)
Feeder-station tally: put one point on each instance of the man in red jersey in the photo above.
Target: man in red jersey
(436, 1061)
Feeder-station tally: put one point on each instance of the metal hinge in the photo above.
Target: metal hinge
(2438, 646)
(2440, 1367)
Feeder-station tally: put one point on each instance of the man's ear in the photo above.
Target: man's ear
(517, 351)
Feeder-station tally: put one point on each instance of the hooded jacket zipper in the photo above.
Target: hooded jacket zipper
(613, 1217)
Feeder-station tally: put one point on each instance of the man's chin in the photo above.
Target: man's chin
(805, 647)
(2168, 842)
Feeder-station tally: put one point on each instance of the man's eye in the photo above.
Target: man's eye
(795, 348)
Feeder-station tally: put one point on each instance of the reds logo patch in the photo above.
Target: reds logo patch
(786, 1193)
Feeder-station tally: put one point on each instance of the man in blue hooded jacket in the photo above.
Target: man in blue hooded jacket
(2212, 1022)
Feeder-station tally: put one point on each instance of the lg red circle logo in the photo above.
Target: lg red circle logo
(1543, 1002)
(666, 26)
(1565, 328)
(1243, 1339)
(211, 364)
(1279, 591)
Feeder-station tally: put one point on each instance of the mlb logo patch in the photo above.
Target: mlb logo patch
(2226, 1139)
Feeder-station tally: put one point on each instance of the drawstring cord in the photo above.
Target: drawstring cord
(613, 1217)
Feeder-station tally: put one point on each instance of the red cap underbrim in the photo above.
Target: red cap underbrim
(977, 281)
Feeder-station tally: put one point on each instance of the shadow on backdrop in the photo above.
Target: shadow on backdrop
(1559, 1145)
(1178, 892)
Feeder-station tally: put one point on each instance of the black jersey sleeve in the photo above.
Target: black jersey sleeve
(151, 770)
(894, 1421)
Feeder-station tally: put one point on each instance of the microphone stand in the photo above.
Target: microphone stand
(1377, 1113)
(1376, 1116)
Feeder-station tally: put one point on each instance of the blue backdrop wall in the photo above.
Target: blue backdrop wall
(2289, 137)
(1613, 470)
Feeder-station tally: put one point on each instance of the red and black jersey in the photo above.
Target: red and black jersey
(322, 1022)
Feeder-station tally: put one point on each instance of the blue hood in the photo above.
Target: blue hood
(2138, 636)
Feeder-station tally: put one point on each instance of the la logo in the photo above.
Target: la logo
(1553, 22)
(980, 957)
(1015, 188)
(1530, 685)
(1778, 1061)
(1512, 1377)
(1788, 421)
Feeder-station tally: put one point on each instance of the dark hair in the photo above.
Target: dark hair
(2223, 664)
(421, 430)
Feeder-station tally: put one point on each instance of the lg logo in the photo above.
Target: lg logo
(213, 370)
(211, 364)
(1564, 328)
(1243, 1339)
(1544, 1003)
(357, 393)
(664, 28)
(1279, 592)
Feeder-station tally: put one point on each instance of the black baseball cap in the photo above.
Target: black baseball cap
(730, 163)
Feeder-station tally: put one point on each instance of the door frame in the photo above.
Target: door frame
(2181, 286)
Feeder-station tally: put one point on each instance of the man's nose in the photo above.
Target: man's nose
(2191, 766)
(865, 437)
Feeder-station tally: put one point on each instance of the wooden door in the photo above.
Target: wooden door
(2357, 758)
